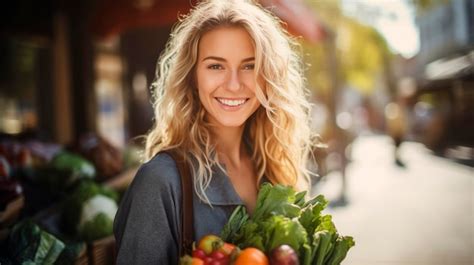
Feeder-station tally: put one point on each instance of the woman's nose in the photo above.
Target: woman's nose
(233, 81)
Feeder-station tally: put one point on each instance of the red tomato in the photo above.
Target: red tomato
(199, 253)
(226, 248)
(217, 255)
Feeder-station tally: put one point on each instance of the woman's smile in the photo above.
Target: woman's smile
(231, 104)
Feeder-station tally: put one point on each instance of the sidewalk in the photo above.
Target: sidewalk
(421, 214)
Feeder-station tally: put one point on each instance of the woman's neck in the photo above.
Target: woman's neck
(229, 145)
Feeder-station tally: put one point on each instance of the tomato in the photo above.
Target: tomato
(252, 256)
(199, 253)
(197, 261)
(217, 255)
(226, 248)
(209, 243)
(208, 260)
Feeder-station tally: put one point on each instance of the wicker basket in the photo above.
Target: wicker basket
(102, 252)
(99, 252)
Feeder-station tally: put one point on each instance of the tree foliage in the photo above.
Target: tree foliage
(361, 51)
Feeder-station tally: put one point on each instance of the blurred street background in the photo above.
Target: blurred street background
(421, 214)
(392, 87)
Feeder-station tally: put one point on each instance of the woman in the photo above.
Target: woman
(229, 97)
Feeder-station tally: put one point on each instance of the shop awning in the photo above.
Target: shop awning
(113, 17)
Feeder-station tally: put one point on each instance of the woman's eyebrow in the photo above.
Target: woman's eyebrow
(214, 58)
(248, 59)
(224, 60)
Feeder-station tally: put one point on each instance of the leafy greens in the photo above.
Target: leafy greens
(283, 216)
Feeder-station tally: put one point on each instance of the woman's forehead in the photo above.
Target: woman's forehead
(226, 42)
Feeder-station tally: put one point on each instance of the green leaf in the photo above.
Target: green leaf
(324, 241)
(284, 230)
(314, 246)
(300, 198)
(307, 254)
(249, 236)
(55, 248)
(310, 216)
(342, 246)
(275, 200)
(236, 220)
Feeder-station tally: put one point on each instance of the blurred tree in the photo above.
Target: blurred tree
(362, 53)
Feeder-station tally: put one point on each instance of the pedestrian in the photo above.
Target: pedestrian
(229, 98)
(396, 127)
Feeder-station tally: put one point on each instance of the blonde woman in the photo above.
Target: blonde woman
(228, 97)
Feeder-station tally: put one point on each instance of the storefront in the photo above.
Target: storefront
(446, 78)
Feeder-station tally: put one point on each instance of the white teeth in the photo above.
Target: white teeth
(231, 103)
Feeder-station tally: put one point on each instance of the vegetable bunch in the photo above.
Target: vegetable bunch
(283, 217)
(212, 250)
(89, 210)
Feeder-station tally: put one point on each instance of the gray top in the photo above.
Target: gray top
(147, 224)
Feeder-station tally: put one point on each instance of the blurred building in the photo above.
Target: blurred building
(445, 80)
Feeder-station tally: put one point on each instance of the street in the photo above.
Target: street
(421, 214)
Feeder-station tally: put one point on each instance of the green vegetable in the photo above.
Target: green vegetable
(70, 253)
(99, 227)
(74, 165)
(281, 217)
(28, 244)
(275, 200)
(284, 230)
(64, 170)
(90, 210)
(343, 244)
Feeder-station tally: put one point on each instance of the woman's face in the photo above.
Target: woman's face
(225, 76)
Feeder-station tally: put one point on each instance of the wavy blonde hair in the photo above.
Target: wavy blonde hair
(278, 132)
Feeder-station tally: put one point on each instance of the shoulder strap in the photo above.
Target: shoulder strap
(187, 228)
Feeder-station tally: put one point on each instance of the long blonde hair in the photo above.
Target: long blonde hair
(278, 132)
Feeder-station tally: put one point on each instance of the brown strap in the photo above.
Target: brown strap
(187, 228)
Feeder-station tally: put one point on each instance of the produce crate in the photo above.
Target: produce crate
(102, 251)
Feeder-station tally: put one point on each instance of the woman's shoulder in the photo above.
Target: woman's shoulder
(159, 172)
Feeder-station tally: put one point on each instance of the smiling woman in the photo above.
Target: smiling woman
(229, 98)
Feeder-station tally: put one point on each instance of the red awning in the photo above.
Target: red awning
(301, 19)
(116, 16)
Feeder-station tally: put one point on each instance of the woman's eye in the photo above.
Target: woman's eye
(249, 66)
(215, 67)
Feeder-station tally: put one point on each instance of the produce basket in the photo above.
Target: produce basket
(102, 251)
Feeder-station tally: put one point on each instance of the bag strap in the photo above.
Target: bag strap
(187, 228)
